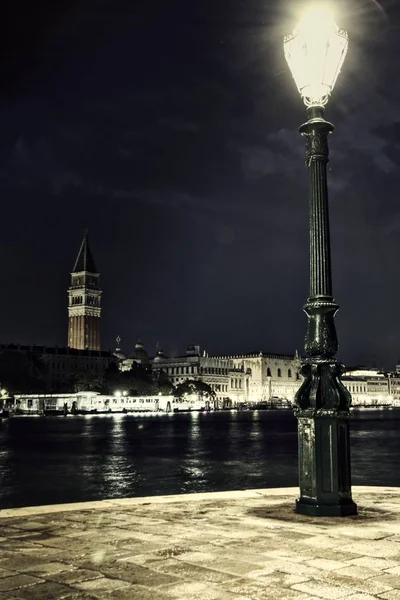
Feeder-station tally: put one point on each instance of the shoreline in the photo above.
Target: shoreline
(169, 414)
(109, 503)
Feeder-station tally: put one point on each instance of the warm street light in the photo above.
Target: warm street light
(315, 52)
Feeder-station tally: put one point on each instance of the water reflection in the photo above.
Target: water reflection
(50, 460)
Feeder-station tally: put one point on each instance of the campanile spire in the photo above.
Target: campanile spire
(84, 301)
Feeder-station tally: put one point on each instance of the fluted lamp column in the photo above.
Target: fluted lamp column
(315, 52)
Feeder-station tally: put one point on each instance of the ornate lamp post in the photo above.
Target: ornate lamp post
(315, 52)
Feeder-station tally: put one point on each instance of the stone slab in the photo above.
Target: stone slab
(241, 545)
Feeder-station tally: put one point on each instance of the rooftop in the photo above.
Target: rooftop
(262, 354)
(56, 350)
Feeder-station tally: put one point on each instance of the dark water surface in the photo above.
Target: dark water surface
(46, 460)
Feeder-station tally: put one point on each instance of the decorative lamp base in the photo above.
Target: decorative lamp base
(324, 463)
(343, 509)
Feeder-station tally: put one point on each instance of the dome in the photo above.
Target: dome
(160, 356)
(139, 352)
(118, 352)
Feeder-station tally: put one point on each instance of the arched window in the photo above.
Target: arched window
(268, 372)
(279, 373)
(289, 373)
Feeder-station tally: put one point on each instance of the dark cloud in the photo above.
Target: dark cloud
(170, 130)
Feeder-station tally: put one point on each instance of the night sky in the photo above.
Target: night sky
(169, 130)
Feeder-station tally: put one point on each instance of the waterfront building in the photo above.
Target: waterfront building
(64, 365)
(270, 375)
(394, 386)
(394, 383)
(61, 366)
(240, 378)
(270, 378)
(368, 387)
(213, 371)
(84, 301)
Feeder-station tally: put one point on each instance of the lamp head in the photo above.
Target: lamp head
(315, 52)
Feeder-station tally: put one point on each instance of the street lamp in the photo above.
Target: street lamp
(315, 52)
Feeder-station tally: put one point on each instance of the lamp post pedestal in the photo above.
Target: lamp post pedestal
(322, 402)
(324, 464)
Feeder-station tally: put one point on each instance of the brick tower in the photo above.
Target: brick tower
(84, 298)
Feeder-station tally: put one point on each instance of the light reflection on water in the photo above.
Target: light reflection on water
(51, 460)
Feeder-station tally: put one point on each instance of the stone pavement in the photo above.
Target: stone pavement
(218, 546)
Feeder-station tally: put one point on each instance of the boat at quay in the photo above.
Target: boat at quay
(86, 403)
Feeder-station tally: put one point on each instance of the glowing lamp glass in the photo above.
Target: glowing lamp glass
(315, 52)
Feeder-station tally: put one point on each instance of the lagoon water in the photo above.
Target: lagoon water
(45, 460)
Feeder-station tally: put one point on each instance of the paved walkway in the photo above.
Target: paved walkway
(222, 546)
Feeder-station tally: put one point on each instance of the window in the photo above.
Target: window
(268, 372)
(289, 373)
(279, 373)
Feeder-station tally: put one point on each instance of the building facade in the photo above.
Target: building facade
(213, 371)
(64, 365)
(245, 378)
(58, 368)
(372, 388)
(84, 302)
(269, 375)
(394, 384)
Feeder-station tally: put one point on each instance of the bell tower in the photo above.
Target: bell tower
(84, 299)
